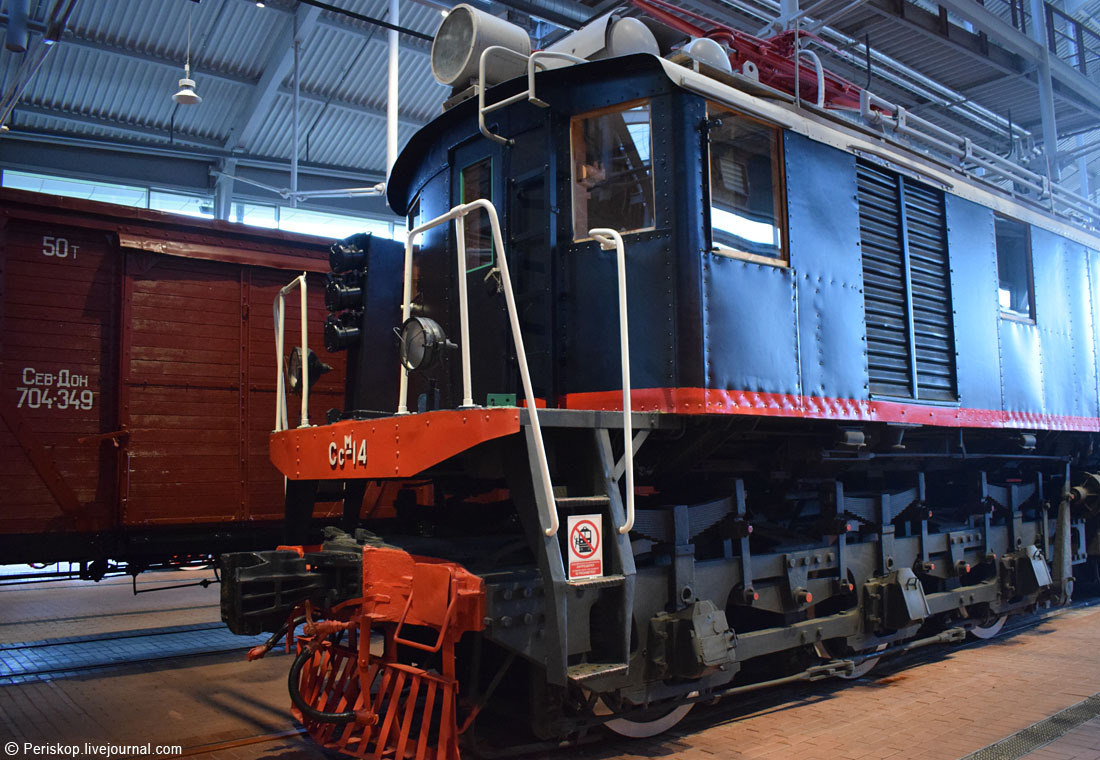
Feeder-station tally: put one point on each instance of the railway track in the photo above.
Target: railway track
(62, 658)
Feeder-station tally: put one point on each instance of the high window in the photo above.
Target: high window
(1015, 286)
(746, 218)
(477, 183)
(612, 170)
(306, 221)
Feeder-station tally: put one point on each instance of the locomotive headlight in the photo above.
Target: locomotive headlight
(341, 331)
(349, 253)
(343, 292)
(422, 340)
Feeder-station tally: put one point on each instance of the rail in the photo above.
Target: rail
(533, 62)
(458, 215)
(904, 122)
(609, 240)
(281, 421)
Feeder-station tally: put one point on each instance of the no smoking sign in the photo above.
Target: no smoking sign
(585, 550)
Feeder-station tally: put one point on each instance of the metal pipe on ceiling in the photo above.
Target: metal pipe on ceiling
(32, 61)
(561, 12)
(392, 89)
(17, 36)
(297, 95)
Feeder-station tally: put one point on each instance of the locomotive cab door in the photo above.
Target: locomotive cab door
(478, 174)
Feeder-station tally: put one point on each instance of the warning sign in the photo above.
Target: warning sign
(585, 546)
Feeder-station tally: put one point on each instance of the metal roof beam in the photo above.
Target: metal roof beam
(258, 107)
(201, 74)
(346, 105)
(197, 71)
(51, 137)
(1008, 37)
(132, 130)
(410, 44)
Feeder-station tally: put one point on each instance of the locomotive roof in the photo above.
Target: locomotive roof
(818, 124)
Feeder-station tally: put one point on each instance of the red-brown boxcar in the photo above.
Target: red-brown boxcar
(137, 380)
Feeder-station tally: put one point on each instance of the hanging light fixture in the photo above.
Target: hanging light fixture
(187, 95)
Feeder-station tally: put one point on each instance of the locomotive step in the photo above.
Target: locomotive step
(601, 582)
(582, 501)
(586, 670)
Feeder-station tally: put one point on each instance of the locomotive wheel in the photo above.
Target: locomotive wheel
(861, 669)
(643, 729)
(990, 630)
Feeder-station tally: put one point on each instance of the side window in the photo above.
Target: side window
(746, 188)
(477, 182)
(1016, 291)
(612, 170)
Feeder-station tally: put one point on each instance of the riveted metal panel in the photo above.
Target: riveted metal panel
(1093, 264)
(1064, 323)
(973, 257)
(1081, 314)
(1021, 370)
(751, 338)
(823, 224)
(589, 300)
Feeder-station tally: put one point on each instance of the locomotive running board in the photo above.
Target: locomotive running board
(387, 447)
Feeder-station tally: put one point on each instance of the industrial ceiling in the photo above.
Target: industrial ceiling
(98, 103)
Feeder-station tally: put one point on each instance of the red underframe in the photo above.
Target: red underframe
(708, 401)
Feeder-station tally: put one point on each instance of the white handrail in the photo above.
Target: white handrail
(458, 213)
(609, 239)
(819, 71)
(281, 421)
(533, 62)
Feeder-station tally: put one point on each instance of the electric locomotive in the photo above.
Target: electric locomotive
(701, 382)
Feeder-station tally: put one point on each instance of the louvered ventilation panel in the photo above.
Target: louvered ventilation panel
(930, 280)
(884, 295)
(895, 266)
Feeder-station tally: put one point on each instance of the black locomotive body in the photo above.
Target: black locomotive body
(865, 405)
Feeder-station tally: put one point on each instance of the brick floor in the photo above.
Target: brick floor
(945, 709)
(957, 702)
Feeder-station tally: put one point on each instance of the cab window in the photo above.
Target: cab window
(746, 208)
(477, 183)
(1015, 285)
(612, 169)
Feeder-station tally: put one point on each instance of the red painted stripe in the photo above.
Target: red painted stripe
(709, 401)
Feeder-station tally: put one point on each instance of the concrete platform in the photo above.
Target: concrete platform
(954, 704)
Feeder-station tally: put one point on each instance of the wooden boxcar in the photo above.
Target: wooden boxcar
(138, 380)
